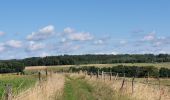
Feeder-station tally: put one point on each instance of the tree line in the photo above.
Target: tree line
(11, 67)
(95, 59)
(128, 71)
(18, 65)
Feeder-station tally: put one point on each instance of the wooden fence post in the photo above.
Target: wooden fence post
(123, 82)
(148, 78)
(133, 84)
(102, 74)
(39, 76)
(161, 93)
(98, 73)
(159, 83)
(110, 75)
(116, 76)
(8, 92)
(46, 72)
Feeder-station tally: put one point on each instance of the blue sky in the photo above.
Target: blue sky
(54, 27)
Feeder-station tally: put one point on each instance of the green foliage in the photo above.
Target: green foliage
(95, 59)
(129, 71)
(164, 72)
(11, 67)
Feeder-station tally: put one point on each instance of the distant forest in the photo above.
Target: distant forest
(18, 65)
(93, 59)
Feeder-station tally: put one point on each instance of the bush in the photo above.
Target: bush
(164, 72)
(11, 67)
(129, 71)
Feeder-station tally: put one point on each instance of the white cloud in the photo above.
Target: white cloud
(35, 46)
(77, 36)
(2, 48)
(113, 53)
(98, 42)
(42, 34)
(81, 36)
(14, 43)
(47, 29)
(149, 37)
(2, 33)
(68, 30)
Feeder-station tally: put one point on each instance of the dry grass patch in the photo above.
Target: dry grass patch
(141, 91)
(47, 90)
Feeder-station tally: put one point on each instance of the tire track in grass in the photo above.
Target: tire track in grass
(77, 89)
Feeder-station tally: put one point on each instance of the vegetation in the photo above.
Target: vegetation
(11, 67)
(129, 71)
(79, 88)
(95, 59)
(164, 72)
(18, 83)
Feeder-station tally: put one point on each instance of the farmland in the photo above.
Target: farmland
(158, 65)
(61, 84)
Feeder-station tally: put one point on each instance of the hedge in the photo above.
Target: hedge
(129, 71)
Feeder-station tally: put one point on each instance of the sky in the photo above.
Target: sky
(31, 28)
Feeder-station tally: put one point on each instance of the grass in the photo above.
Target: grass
(79, 88)
(50, 89)
(141, 91)
(19, 83)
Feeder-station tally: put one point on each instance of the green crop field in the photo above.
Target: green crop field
(18, 83)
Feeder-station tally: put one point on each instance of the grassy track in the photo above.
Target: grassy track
(77, 89)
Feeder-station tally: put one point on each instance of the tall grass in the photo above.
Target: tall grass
(77, 87)
(18, 83)
(50, 89)
(141, 91)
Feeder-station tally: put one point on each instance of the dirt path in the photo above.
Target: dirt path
(47, 90)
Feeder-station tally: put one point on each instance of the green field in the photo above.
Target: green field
(18, 83)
